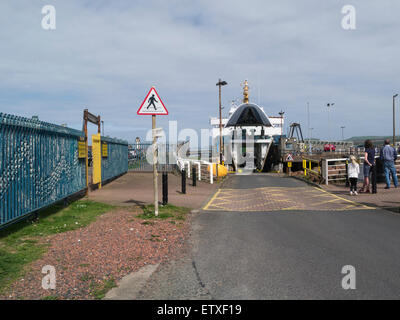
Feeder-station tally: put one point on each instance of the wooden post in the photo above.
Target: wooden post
(153, 117)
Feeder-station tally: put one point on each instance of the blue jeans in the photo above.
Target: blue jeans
(390, 168)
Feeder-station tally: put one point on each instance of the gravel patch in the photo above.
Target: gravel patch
(116, 244)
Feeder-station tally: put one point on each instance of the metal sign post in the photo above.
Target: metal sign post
(152, 105)
(155, 174)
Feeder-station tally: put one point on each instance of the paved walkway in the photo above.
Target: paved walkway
(136, 188)
(386, 199)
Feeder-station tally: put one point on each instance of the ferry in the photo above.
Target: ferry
(249, 122)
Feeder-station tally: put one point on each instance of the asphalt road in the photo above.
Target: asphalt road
(292, 254)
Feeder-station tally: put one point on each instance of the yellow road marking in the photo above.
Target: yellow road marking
(212, 199)
(325, 201)
(350, 201)
(238, 200)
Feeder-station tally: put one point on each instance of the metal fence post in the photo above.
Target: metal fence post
(325, 167)
(374, 189)
(199, 164)
(165, 188)
(183, 181)
(194, 176)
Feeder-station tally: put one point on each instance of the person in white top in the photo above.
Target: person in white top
(353, 169)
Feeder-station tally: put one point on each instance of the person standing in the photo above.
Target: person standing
(353, 171)
(388, 156)
(369, 162)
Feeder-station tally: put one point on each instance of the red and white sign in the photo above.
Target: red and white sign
(152, 105)
(289, 157)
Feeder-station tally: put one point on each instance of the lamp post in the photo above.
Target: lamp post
(308, 127)
(394, 122)
(220, 84)
(342, 127)
(329, 105)
(281, 114)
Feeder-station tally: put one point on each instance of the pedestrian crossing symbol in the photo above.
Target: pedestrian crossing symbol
(152, 104)
(289, 158)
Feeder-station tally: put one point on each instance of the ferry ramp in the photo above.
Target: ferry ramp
(268, 192)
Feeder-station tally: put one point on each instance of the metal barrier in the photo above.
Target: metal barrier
(336, 169)
(39, 165)
(188, 163)
(308, 168)
(137, 157)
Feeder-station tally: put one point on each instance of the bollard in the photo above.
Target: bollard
(164, 188)
(183, 181)
(374, 179)
(194, 176)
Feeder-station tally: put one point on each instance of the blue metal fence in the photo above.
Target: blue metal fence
(39, 165)
(116, 162)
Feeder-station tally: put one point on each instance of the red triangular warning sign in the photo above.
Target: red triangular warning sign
(289, 157)
(152, 104)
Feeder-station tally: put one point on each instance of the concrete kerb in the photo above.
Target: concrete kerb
(130, 286)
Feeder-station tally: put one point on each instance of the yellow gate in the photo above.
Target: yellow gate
(96, 156)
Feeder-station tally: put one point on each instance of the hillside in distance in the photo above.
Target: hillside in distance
(376, 140)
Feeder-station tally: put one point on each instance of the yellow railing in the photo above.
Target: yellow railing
(308, 169)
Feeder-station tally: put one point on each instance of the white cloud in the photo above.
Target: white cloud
(105, 56)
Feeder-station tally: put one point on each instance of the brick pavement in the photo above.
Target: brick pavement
(136, 188)
(386, 199)
(280, 199)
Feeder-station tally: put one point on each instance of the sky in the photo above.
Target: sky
(105, 56)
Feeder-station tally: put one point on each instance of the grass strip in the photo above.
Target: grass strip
(168, 211)
(19, 243)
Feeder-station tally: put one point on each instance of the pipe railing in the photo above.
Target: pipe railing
(308, 169)
(337, 171)
(182, 163)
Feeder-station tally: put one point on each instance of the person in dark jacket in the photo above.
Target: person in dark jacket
(369, 162)
(388, 156)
